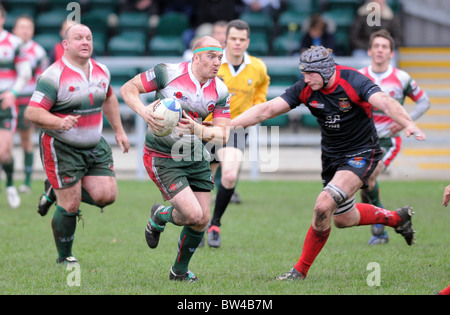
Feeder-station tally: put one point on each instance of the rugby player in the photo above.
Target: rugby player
(68, 104)
(15, 72)
(178, 163)
(399, 85)
(341, 98)
(37, 56)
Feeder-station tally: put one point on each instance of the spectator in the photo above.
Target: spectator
(211, 11)
(265, 6)
(362, 29)
(318, 33)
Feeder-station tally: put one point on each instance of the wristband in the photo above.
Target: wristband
(14, 92)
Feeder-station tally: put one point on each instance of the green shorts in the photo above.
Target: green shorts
(172, 176)
(8, 119)
(22, 123)
(65, 165)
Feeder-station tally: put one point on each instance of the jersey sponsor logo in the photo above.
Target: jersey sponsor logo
(68, 179)
(332, 122)
(174, 186)
(316, 104)
(180, 96)
(74, 88)
(357, 162)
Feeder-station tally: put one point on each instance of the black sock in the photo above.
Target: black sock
(223, 198)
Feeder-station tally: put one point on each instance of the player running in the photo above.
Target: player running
(68, 105)
(341, 98)
(36, 55)
(15, 72)
(397, 84)
(179, 163)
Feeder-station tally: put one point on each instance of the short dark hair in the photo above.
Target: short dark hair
(23, 16)
(382, 33)
(240, 25)
(2, 11)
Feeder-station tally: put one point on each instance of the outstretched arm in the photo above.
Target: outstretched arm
(397, 112)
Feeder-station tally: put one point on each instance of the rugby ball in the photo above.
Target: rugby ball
(170, 109)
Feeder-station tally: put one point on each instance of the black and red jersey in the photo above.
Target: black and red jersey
(342, 111)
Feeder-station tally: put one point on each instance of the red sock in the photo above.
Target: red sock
(314, 242)
(446, 291)
(373, 215)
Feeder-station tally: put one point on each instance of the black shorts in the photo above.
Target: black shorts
(361, 164)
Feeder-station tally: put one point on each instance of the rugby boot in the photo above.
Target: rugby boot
(153, 230)
(188, 276)
(45, 201)
(405, 227)
(292, 274)
(214, 239)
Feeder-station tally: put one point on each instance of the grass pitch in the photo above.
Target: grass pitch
(261, 238)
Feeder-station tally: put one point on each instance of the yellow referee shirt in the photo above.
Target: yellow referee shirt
(247, 85)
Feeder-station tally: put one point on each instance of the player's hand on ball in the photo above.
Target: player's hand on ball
(153, 120)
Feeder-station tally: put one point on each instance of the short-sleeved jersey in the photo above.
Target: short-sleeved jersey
(397, 84)
(247, 85)
(198, 101)
(11, 54)
(342, 111)
(38, 60)
(63, 89)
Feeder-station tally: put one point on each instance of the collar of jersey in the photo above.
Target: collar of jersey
(76, 69)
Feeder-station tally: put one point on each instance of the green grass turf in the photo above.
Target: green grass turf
(262, 238)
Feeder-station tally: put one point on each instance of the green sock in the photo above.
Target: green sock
(28, 167)
(86, 198)
(187, 244)
(64, 225)
(374, 196)
(9, 170)
(164, 215)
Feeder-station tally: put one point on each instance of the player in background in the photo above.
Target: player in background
(340, 98)
(179, 163)
(36, 55)
(247, 80)
(68, 104)
(15, 72)
(445, 201)
(399, 85)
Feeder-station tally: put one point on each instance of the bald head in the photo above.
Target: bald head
(70, 29)
(206, 41)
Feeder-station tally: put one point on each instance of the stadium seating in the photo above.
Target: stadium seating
(50, 21)
(133, 21)
(97, 20)
(172, 24)
(127, 44)
(166, 46)
(47, 40)
(287, 44)
(260, 23)
(120, 75)
(259, 44)
(291, 21)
